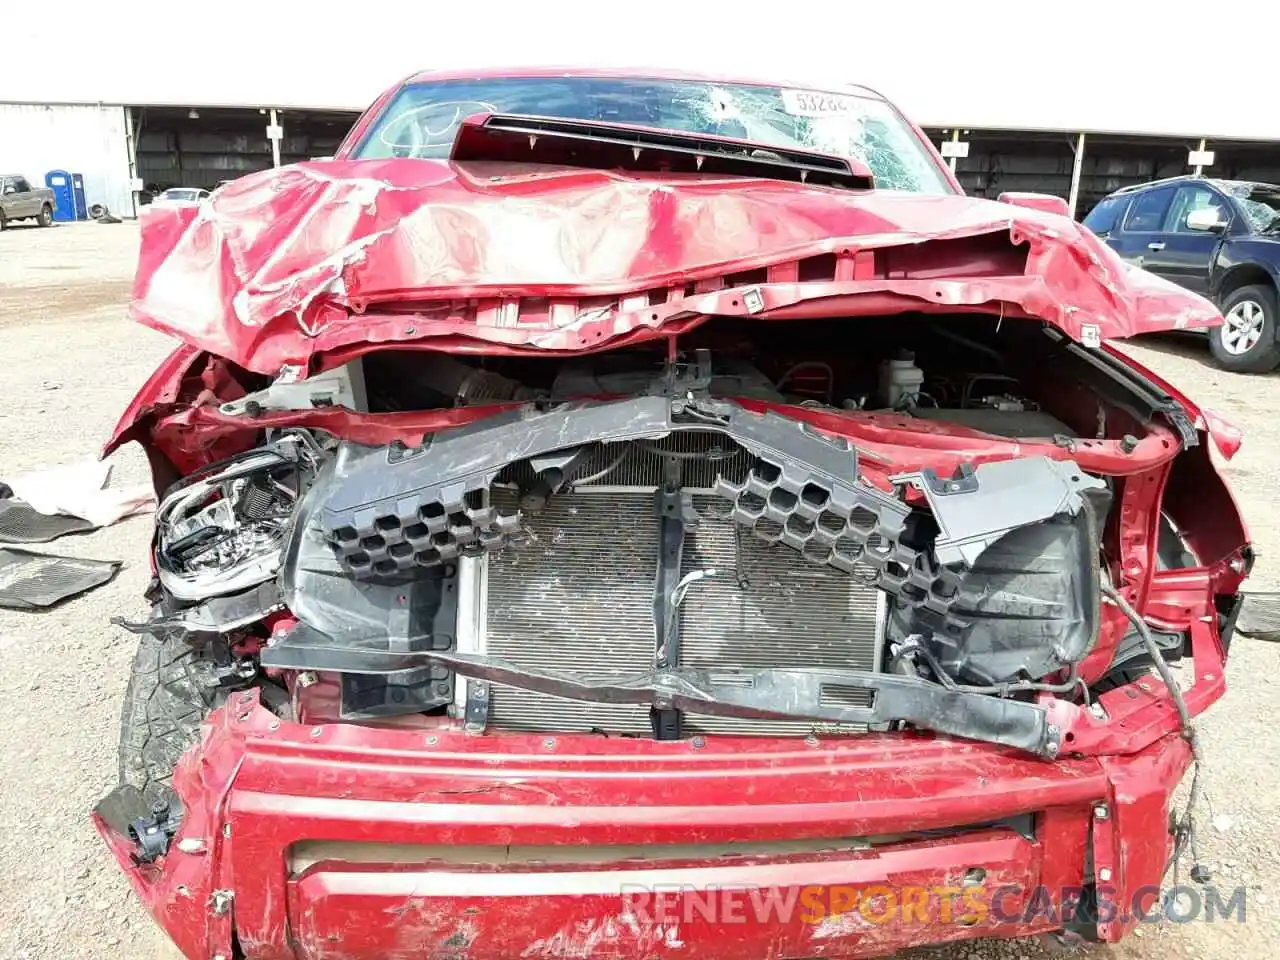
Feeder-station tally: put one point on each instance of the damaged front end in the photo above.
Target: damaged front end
(536, 634)
(632, 572)
(559, 515)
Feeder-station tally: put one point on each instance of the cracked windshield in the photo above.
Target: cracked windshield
(423, 118)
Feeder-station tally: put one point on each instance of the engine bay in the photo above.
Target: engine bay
(645, 540)
(901, 365)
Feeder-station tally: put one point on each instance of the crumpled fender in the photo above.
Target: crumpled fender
(282, 265)
(1226, 436)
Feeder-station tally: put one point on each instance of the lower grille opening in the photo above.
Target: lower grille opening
(308, 853)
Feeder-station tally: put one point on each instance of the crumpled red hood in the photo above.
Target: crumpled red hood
(325, 257)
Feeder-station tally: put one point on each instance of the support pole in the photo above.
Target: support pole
(1076, 169)
(1199, 168)
(131, 147)
(955, 138)
(275, 133)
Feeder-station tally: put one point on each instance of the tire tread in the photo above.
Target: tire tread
(171, 690)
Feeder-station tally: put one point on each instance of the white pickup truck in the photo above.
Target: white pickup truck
(21, 201)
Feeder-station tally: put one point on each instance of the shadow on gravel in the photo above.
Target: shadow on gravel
(1191, 346)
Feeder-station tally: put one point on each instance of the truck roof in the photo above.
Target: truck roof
(637, 73)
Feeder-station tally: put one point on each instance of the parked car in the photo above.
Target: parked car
(182, 195)
(649, 516)
(1219, 238)
(21, 201)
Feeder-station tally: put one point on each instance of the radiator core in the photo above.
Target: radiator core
(580, 598)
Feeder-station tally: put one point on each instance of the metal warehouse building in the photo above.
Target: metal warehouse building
(124, 149)
(93, 140)
(1023, 97)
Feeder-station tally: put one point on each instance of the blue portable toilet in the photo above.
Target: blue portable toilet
(77, 188)
(64, 202)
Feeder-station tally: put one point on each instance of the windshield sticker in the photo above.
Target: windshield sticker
(814, 103)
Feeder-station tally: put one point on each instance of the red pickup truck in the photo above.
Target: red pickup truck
(607, 514)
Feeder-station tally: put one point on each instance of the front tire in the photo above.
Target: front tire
(173, 687)
(171, 690)
(1246, 343)
(46, 216)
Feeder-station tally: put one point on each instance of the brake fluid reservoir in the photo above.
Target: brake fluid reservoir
(900, 381)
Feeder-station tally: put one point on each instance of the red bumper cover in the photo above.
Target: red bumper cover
(340, 841)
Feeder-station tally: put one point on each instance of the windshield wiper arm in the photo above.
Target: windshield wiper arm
(618, 146)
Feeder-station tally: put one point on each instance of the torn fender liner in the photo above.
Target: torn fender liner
(214, 617)
(287, 264)
(29, 581)
(22, 523)
(778, 693)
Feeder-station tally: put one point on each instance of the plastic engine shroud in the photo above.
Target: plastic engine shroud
(794, 494)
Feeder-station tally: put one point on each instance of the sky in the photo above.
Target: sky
(1113, 65)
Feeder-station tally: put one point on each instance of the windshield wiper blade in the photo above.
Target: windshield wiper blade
(781, 694)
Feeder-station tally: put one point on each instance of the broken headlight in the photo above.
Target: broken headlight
(222, 529)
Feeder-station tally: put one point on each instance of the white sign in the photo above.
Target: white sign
(1200, 158)
(137, 184)
(814, 103)
(955, 148)
(275, 132)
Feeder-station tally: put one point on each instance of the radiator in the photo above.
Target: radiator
(580, 598)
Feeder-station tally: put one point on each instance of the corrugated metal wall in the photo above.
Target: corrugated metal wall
(89, 140)
(199, 153)
(175, 149)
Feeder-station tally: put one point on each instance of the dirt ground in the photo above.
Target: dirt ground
(71, 361)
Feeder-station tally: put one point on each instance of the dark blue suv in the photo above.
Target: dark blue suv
(1220, 238)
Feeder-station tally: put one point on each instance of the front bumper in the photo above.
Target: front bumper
(341, 841)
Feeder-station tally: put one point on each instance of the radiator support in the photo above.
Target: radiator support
(582, 596)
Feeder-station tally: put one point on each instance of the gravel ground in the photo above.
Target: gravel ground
(74, 361)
